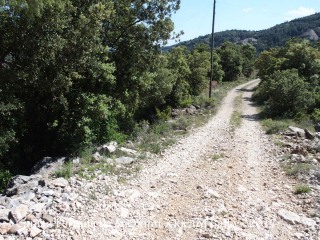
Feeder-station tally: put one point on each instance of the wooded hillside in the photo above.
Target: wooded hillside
(306, 27)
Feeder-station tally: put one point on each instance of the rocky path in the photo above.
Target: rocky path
(220, 182)
(214, 184)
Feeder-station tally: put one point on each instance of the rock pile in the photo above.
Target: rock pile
(33, 207)
(301, 146)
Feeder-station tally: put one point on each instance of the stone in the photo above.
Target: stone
(28, 196)
(42, 183)
(21, 184)
(298, 131)
(97, 157)
(191, 110)
(288, 216)
(38, 207)
(19, 229)
(294, 218)
(60, 182)
(19, 212)
(221, 208)
(309, 135)
(31, 218)
(124, 160)
(4, 215)
(307, 221)
(76, 160)
(128, 151)
(211, 193)
(206, 235)
(47, 218)
(317, 127)
(73, 223)
(34, 231)
(4, 228)
(110, 147)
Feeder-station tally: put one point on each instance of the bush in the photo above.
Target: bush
(5, 176)
(285, 94)
(274, 126)
(299, 189)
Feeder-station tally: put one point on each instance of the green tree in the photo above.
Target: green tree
(55, 69)
(230, 60)
(199, 65)
(178, 64)
(134, 32)
(249, 54)
(269, 62)
(286, 94)
(302, 56)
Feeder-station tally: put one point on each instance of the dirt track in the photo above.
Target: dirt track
(214, 184)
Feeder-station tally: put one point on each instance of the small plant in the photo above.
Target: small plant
(300, 189)
(236, 119)
(5, 177)
(65, 171)
(275, 126)
(296, 169)
(181, 124)
(215, 157)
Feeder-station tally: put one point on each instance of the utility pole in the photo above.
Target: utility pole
(212, 47)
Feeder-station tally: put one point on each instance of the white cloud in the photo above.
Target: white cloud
(297, 13)
(246, 10)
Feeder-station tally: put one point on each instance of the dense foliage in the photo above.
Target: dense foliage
(79, 73)
(290, 85)
(276, 36)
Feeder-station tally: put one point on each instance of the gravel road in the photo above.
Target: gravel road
(217, 183)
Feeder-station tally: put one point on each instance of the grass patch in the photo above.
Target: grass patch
(236, 119)
(216, 157)
(64, 171)
(275, 126)
(296, 169)
(302, 188)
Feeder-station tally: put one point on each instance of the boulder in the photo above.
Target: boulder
(19, 229)
(289, 217)
(317, 127)
(4, 215)
(21, 184)
(60, 182)
(4, 228)
(294, 218)
(124, 160)
(298, 131)
(128, 151)
(19, 212)
(96, 157)
(309, 135)
(110, 147)
(34, 231)
(48, 165)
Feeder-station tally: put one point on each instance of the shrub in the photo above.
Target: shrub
(285, 94)
(274, 126)
(5, 176)
(299, 189)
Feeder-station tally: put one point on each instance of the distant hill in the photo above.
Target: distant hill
(306, 27)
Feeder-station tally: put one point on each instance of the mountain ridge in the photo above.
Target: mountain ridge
(276, 36)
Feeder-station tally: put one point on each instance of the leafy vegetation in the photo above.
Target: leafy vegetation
(236, 119)
(296, 169)
(290, 81)
(300, 189)
(77, 74)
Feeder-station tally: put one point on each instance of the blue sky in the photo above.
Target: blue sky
(195, 16)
